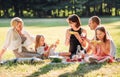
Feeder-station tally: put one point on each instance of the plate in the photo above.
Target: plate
(60, 57)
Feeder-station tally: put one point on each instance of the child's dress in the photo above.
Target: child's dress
(101, 55)
(42, 49)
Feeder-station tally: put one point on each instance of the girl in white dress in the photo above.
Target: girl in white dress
(43, 49)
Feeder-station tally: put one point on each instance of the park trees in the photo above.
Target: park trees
(58, 8)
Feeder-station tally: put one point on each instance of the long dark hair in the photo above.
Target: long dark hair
(37, 40)
(74, 18)
(101, 28)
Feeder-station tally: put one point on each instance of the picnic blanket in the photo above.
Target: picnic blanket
(22, 60)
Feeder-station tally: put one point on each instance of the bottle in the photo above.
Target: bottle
(80, 52)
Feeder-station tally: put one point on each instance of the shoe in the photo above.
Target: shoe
(93, 60)
(117, 59)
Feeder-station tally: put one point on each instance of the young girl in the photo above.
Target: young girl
(75, 35)
(101, 46)
(43, 49)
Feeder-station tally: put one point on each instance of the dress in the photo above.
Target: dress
(74, 42)
(101, 53)
(112, 45)
(42, 49)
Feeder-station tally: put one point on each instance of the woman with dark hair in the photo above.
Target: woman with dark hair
(75, 35)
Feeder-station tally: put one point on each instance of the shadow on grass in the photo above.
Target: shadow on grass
(82, 69)
(48, 68)
(9, 65)
(14, 63)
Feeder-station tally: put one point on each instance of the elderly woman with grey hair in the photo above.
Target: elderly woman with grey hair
(18, 40)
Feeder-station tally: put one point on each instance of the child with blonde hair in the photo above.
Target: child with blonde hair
(43, 49)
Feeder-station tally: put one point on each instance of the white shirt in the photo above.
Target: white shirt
(13, 40)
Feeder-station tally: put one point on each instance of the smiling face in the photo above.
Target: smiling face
(94, 21)
(17, 23)
(100, 35)
(92, 25)
(41, 41)
(19, 26)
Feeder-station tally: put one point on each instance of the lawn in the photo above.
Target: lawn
(54, 29)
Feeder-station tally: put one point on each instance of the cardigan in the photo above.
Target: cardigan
(13, 40)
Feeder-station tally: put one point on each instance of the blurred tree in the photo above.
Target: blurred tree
(102, 7)
(58, 8)
(5, 5)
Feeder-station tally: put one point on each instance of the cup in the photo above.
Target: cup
(68, 60)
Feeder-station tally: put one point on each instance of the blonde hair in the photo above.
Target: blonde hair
(15, 21)
(38, 37)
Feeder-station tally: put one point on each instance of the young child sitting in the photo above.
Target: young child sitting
(43, 49)
(100, 47)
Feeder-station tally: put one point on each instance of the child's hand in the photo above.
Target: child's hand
(52, 45)
(57, 42)
(46, 48)
(95, 42)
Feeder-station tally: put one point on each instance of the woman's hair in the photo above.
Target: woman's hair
(37, 40)
(96, 19)
(74, 18)
(15, 21)
(101, 28)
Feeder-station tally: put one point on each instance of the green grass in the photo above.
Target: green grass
(54, 29)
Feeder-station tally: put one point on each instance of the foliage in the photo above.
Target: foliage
(58, 8)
